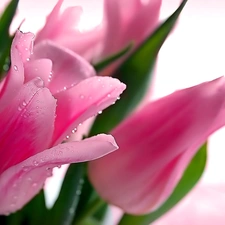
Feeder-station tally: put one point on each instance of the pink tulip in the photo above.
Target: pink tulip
(62, 28)
(47, 93)
(156, 144)
(128, 20)
(124, 21)
(203, 205)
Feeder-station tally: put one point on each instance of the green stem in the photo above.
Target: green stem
(89, 210)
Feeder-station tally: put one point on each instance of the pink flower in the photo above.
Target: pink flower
(128, 20)
(124, 21)
(156, 144)
(47, 93)
(63, 29)
(203, 205)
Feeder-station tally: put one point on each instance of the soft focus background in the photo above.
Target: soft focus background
(193, 53)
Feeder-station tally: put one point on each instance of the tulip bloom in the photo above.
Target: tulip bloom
(123, 22)
(203, 205)
(156, 144)
(47, 93)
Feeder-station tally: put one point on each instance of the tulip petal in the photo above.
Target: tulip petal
(24, 43)
(156, 145)
(83, 101)
(15, 78)
(23, 181)
(28, 124)
(48, 30)
(68, 68)
(38, 68)
(203, 205)
(113, 24)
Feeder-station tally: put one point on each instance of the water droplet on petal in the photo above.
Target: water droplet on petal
(15, 68)
(39, 82)
(64, 88)
(100, 112)
(118, 98)
(28, 59)
(12, 205)
(74, 130)
(35, 162)
(34, 185)
(109, 95)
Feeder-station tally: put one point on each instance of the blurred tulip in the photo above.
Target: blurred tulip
(124, 21)
(47, 93)
(155, 146)
(203, 205)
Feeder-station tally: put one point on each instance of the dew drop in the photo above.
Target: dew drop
(35, 162)
(28, 59)
(74, 130)
(109, 95)
(25, 169)
(118, 98)
(67, 137)
(24, 103)
(39, 82)
(59, 166)
(12, 205)
(64, 88)
(34, 185)
(100, 112)
(15, 68)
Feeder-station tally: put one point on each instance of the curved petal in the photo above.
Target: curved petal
(24, 44)
(38, 68)
(15, 78)
(23, 181)
(48, 30)
(113, 20)
(142, 24)
(68, 68)
(156, 144)
(28, 124)
(83, 101)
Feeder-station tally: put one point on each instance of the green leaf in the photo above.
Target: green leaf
(6, 39)
(65, 206)
(113, 58)
(135, 72)
(191, 176)
(34, 213)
